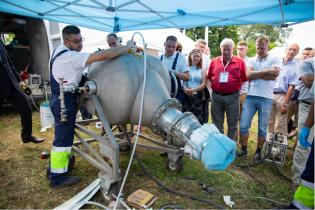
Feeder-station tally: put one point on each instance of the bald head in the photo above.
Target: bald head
(291, 51)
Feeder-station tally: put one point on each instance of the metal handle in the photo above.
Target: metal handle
(173, 77)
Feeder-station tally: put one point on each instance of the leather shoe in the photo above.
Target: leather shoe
(32, 139)
(66, 181)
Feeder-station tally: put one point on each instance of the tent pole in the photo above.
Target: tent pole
(207, 34)
(282, 14)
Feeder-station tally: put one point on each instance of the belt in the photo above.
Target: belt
(278, 92)
(225, 94)
(305, 102)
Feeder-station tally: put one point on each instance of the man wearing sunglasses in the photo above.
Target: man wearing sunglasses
(68, 62)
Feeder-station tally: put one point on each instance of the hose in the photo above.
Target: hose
(173, 77)
(140, 117)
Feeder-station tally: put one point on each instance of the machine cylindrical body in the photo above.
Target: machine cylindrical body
(119, 85)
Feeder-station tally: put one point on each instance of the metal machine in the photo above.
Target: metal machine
(275, 148)
(113, 93)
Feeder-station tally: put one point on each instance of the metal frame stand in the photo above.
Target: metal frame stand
(109, 175)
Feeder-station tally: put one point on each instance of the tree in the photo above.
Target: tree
(216, 34)
(276, 35)
(249, 33)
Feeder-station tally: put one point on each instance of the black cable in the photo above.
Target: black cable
(169, 190)
(263, 159)
(264, 191)
(280, 172)
(252, 164)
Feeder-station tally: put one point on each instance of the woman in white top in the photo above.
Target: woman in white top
(194, 88)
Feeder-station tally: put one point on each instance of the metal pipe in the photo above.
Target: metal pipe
(91, 150)
(63, 108)
(92, 161)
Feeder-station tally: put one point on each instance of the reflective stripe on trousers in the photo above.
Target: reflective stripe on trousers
(59, 160)
(304, 197)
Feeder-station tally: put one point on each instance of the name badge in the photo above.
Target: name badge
(224, 76)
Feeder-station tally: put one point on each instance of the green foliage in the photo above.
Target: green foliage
(252, 47)
(248, 33)
(276, 34)
(216, 34)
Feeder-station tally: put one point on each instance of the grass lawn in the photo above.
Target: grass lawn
(24, 184)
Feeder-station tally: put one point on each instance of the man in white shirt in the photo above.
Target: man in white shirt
(202, 45)
(241, 52)
(175, 64)
(112, 40)
(262, 71)
(68, 62)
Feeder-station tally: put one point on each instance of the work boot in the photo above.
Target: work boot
(66, 181)
(242, 153)
(32, 139)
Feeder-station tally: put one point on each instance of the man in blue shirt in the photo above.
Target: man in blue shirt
(283, 90)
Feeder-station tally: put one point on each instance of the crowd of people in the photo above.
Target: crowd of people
(234, 86)
(239, 87)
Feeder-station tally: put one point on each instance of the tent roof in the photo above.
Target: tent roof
(127, 15)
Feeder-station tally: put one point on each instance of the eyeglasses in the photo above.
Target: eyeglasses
(76, 41)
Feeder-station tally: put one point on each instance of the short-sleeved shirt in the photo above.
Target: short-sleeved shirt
(305, 67)
(286, 77)
(195, 77)
(261, 87)
(180, 65)
(313, 89)
(70, 66)
(236, 70)
(205, 62)
(245, 85)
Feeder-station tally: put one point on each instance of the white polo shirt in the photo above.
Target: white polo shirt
(70, 66)
(245, 85)
(180, 65)
(205, 62)
(261, 87)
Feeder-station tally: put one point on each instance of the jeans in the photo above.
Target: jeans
(250, 107)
